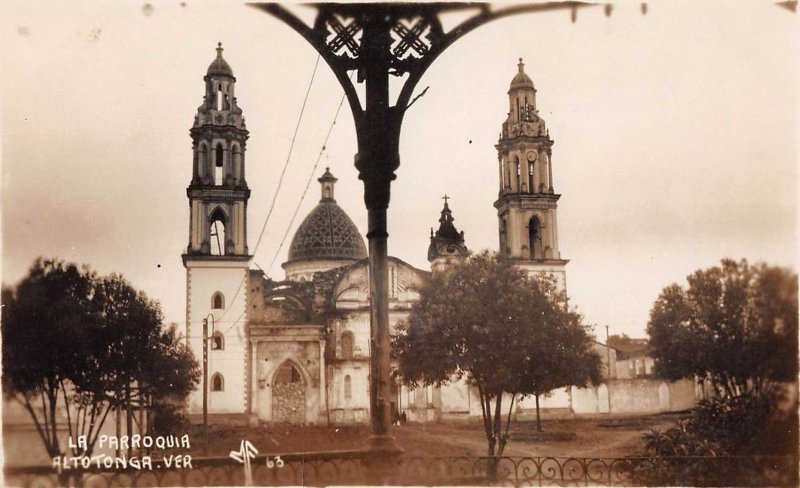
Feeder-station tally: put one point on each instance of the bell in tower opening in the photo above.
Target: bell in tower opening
(527, 203)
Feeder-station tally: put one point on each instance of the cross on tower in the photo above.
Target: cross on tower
(445, 198)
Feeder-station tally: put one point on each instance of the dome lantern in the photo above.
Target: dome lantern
(219, 67)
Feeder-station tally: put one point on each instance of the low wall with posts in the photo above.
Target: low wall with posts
(634, 396)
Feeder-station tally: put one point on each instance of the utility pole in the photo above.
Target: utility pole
(205, 381)
(608, 353)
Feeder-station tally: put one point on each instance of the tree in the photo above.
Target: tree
(735, 325)
(90, 344)
(45, 343)
(507, 333)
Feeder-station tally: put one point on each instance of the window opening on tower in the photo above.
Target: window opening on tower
(217, 233)
(218, 166)
(217, 382)
(531, 188)
(535, 238)
(348, 388)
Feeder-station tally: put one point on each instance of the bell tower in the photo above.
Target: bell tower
(216, 258)
(218, 192)
(527, 203)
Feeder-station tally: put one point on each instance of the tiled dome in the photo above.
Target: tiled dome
(327, 232)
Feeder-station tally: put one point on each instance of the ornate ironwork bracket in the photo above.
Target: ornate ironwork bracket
(399, 38)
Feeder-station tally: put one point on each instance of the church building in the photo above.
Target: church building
(297, 349)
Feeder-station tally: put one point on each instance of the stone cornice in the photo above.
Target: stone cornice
(229, 258)
(217, 193)
(531, 200)
(507, 144)
(554, 262)
(227, 130)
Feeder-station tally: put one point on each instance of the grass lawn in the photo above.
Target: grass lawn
(587, 438)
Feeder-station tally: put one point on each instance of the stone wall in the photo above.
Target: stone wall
(288, 403)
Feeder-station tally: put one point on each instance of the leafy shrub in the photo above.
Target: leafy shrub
(723, 427)
(699, 449)
(737, 425)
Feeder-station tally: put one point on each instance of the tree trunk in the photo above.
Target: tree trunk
(142, 430)
(118, 417)
(538, 417)
(487, 424)
(128, 416)
(494, 458)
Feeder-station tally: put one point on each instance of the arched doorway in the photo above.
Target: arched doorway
(288, 395)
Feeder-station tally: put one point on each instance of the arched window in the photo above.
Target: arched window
(217, 382)
(535, 238)
(348, 388)
(429, 395)
(217, 232)
(516, 165)
(347, 344)
(218, 165)
(218, 301)
(217, 341)
(287, 373)
(219, 96)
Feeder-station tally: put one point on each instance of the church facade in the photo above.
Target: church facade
(297, 349)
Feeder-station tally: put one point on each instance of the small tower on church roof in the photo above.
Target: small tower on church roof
(447, 243)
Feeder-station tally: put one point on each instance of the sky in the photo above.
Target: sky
(675, 135)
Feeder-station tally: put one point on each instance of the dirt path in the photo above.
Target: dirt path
(593, 438)
(590, 438)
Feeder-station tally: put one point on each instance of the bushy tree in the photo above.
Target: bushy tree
(735, 324)
(85, 345)
(46, 337)
(506, 332)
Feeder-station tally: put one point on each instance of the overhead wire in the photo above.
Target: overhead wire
(308, 183)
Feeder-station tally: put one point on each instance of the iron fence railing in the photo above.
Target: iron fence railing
(365, 468)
